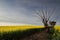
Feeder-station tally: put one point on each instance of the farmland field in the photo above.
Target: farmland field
(20, 32)
(14, 28)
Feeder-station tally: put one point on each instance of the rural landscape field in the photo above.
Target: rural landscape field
(14, 28)
(23, 27)
(29, 19)
(23, 32)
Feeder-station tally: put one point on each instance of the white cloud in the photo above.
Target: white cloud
(11, 24)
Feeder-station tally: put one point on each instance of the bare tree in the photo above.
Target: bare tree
(45, 17)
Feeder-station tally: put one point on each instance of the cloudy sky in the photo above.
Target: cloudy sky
(23, 11)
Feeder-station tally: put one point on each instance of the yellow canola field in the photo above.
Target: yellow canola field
(57, 28)
(14, 28)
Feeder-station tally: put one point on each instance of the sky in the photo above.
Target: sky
(23, 11)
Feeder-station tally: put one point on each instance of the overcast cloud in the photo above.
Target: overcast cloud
(21, 11)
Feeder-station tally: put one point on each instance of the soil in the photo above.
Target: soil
(38, 36)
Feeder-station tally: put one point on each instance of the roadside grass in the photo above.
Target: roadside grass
(16, 35)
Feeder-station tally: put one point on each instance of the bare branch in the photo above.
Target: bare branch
(51, 14)
(39, 14)
(43, 14)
